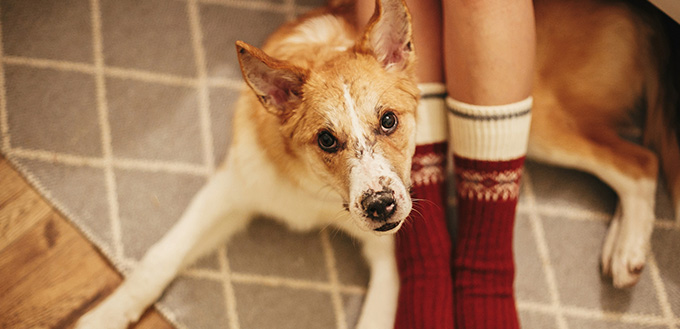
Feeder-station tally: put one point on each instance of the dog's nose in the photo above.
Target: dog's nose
(379, 206)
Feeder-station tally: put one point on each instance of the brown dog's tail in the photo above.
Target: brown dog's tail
(662, 128)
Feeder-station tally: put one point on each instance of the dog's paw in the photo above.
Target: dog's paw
(108, 315)
(94, 320)
(623, 258)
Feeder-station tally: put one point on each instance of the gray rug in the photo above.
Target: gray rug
(117, 110)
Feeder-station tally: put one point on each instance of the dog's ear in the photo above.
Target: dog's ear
(389, 35)
(277, 84)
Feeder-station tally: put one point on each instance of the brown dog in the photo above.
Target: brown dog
(597, 61)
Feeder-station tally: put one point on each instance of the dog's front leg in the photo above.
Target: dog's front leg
(380, 305)
(209, 219)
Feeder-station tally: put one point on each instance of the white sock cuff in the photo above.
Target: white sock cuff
(431, 123)
(499, 132)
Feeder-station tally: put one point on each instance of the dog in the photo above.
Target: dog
(328, 109)
(334, 110)
(597, 61)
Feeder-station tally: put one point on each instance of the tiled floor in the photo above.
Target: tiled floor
(118, 110)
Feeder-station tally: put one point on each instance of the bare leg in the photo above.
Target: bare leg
(489, 50)
(489, 56)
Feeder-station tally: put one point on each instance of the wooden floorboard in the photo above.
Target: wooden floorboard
(50, 274)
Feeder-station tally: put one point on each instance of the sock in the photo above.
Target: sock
(423, 244)
(489, 145)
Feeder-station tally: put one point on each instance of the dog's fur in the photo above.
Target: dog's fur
(596, 61)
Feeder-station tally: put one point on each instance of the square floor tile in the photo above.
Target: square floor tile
(350, 262)
(665, 245)
(269, 248)
(154, 122)
(223, 25)
(664, 209)
(150, 35)
(52, 110)
(149, 204)
(574, 248)
(530, 281)
(81, 191)
(535, 320)
(283, 308)
(222, 108)
(569, 188)
(210, 261)
(49, 29)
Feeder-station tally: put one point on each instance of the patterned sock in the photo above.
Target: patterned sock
(489, 144)
(423, 243)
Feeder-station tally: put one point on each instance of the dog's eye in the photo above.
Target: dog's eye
(388, 122)
(327, 142)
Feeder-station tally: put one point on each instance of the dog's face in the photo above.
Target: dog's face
(351, 119)
(358, 134)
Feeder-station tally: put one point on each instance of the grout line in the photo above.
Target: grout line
(273, 281)
(229, 295)
(237, 85)
(105, 127)
(331, 267)
(203, 91)
(576, 214)
(160, 166)
(121, 163)
(147, 76)
(121, 73)
(542, 246)
(202, 274)
(592, 314)
(661, 294)
(51, 64)
(255, 5)
(54, 157)
(4, 117)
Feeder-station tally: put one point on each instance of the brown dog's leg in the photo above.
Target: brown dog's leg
(630, 169)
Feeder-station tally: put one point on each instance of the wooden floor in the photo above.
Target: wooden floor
(49, 273)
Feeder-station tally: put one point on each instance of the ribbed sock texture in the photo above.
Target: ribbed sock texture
(483, 265)
(424, 247)
(489, 146)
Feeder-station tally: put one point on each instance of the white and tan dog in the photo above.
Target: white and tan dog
(327, 134)
(325, 137)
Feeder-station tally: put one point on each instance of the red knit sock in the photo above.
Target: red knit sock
(423, 244)
(489, 145)
(484, 266)
(424, 247)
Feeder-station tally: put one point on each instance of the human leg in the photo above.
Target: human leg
(489, 55)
